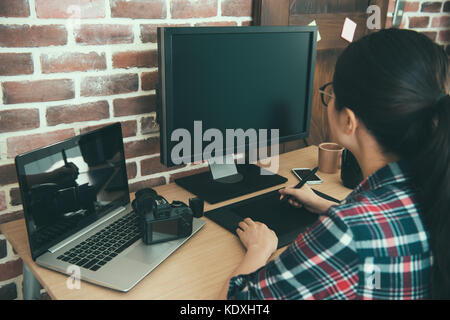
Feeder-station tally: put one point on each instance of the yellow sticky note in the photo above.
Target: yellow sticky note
(318, 33)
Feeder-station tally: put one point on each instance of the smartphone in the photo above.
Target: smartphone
(302, 173)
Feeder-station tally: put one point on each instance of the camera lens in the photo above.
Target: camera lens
(178, 204)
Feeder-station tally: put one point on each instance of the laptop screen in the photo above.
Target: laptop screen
(71, 184)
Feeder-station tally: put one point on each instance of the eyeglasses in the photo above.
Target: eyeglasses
(326, 93)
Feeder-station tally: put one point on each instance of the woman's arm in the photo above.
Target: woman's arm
(307, 198)
(260, 242)
(253, 260)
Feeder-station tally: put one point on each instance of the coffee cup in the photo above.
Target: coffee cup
(330, 157)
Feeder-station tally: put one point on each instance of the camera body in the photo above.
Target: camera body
(160, 221)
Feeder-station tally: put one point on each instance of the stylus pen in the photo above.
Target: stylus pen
(66, 164)
(302, 183)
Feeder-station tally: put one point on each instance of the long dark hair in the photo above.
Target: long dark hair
(396, 82)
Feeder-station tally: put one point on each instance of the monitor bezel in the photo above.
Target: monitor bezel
(165, 74)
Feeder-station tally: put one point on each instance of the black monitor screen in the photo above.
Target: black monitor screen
(233, 79)
(69, 185)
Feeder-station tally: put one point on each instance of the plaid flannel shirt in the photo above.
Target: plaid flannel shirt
(371, 246)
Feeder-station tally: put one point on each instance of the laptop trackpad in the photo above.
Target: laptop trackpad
(150, 254)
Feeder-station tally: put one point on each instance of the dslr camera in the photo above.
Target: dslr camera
(160, 220)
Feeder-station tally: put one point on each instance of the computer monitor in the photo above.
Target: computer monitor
(229, 78)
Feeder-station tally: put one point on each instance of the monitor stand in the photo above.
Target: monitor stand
(227, 181)
(226, 171)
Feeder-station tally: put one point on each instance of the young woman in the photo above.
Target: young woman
(389, 239)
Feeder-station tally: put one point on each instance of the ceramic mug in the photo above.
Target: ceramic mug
(330, 157)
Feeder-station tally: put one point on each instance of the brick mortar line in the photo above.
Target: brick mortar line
(32, 5)
(219, 8)
(44, 108)
(12, 280)
(10, 256)
(77, 87)
(425, 14)
(83, 124)
(120, 21)
(107, 10)
(138, 123)
(140, 177)
(81, 48)
(77, 127)
(136, 30)
(1, 96)
(109, 60)
(79, 74)
(111, 111)
(10, 186)
(188, 167)
(42, 119)
(420, 14)
(428, 29)
(3, 153)
(8, 204)
(74, 101)
(168, 9)
(71, 29)
(140, 158)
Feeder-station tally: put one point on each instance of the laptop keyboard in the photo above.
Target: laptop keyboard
(102, 247)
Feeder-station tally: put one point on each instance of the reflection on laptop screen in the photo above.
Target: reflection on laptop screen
(69, 185)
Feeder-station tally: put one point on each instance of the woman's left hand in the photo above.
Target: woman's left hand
(257, 237)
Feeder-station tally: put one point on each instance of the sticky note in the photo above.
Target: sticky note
(318, 33)
(348, 31)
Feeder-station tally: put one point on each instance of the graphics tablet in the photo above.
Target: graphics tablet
(286, 221)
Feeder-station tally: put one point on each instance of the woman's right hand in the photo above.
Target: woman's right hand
(305, 197)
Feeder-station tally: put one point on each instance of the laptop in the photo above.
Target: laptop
(78, 214)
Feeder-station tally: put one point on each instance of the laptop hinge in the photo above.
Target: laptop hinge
(82, 232)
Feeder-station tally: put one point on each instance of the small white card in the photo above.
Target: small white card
(348, 31)
(318, 33)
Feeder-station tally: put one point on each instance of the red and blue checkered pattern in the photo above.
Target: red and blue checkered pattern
(371, 246)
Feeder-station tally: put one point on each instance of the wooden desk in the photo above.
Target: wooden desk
(198, 269)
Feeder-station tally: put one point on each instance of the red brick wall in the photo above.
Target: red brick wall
(68, 66)
(429, 17)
